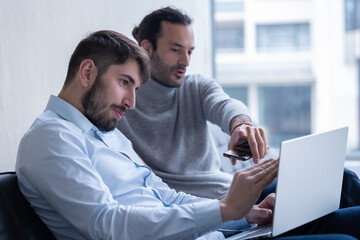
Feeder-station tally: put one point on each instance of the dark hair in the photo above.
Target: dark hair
(106, 48)
(150, 26)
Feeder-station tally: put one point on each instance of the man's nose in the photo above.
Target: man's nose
(129, 100)
(184, 59)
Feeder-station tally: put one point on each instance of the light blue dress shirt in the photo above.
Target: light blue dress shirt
(88, 184)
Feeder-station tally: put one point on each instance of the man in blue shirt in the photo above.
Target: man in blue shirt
(83, 178)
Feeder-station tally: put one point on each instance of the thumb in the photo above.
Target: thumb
(264, 213)
(260, 216)
(233, 161)
(264, 216)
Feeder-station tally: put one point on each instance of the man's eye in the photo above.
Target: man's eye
(174, 50)
(124, 83)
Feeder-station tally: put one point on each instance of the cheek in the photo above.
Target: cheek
(116, 94)
(171, 59)
(167, 58)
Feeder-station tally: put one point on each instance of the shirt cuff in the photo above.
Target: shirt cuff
(208, 216)
(237, 225)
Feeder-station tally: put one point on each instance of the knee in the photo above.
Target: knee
(349, 174)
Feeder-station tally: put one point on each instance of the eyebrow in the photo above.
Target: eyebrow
(132, 81)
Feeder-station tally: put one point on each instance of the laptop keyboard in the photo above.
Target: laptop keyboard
(257, 232)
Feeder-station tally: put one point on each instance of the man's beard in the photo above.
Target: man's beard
(161, 72)
(96, 108)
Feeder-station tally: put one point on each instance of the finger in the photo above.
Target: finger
(258, 172)
(261, 143)
(265, 171)
(259, 215)
(253, 143)
(268, 202)
(264, 214)
(237, 137)
(258, 167)
(273, 170)
(233, 161)
(263, 136)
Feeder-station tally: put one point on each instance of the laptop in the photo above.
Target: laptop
(310, 178)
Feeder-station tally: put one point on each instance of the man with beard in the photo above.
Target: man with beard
(82, 176)
(85, 181)
(169, 129)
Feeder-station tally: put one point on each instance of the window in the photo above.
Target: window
(352, 14)
(283, 37)
(229, 37)
(229, 6)
(285, 111)
(359, 98)
(239, 93)
(266, 56)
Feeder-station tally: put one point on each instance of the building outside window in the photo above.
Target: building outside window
(229, 37)
(286, 62)
(286, 111)
(279, 37)
(352, 14)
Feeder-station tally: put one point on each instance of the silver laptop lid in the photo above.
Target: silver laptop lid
(310, 178)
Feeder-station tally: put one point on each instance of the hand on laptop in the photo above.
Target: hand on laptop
(254, 136)
(262, 214)
(245, 188)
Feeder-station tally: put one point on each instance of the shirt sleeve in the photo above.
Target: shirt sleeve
(55, 162)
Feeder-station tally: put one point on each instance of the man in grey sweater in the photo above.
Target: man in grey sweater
(168, 126)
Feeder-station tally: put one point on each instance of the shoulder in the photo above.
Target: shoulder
(198, 81)
(50, 129)
(197, 78)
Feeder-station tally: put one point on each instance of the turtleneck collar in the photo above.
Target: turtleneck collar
(156, 92)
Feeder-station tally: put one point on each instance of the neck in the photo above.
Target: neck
(74, 97)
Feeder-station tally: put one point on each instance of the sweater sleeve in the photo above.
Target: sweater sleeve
(218, 107)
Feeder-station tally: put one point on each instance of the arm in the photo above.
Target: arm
(217, 106)
(230, 114)
(63, 174)
(246, 184)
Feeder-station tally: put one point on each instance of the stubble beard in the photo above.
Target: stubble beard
(96, 107)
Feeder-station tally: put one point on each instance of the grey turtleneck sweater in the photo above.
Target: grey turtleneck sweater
(168, 130)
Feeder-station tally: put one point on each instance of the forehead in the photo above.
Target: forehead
(176, 33)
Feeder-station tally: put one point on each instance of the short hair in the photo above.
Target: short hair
(150, 26)
(107, 48)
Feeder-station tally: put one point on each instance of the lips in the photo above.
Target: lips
(119, 113)
(179, 73)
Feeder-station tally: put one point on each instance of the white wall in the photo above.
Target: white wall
(37, 38)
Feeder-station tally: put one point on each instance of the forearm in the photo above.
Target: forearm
(175, 222)
(95, 214)
(218, 107)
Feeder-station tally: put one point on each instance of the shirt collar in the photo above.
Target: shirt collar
(69, 112)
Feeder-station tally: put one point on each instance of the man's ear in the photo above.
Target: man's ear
(146, 44)
(87, 73)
